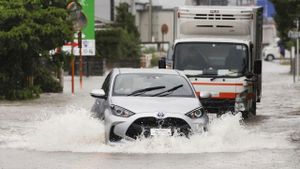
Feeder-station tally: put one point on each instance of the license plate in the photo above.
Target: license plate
(160, 132)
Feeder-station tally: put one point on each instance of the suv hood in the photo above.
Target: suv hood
(138, 104)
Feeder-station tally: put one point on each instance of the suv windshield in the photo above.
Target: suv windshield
(160, 85)
(218, 59)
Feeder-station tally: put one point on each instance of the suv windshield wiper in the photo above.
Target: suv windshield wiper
(167, 92)
(142, 91)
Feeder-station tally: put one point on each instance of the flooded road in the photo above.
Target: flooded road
(57, 131)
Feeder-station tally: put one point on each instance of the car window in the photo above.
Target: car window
(106, 83)
(125, 84)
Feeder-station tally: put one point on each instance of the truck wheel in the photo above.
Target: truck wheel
(251, 112)
(245, 114)
(270, 57)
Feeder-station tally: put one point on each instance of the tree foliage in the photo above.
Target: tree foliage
(286, 12)
(126, 20)
(28, 30)
(121, 39)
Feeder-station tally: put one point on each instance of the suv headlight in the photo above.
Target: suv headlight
(120, 111)
(196, 113)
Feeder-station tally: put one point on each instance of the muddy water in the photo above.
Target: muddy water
(57, 131)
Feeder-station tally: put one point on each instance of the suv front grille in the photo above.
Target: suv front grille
(143, 125)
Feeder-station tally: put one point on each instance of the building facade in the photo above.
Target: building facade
(150, 26)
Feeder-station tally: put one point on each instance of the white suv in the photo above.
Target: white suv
(272, 52)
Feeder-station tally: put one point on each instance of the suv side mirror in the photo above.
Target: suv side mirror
(98, 93)
(257, 67)
(162, 63)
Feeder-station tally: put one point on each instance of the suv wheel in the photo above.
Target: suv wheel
(270, 57)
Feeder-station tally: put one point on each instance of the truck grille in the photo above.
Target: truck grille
(218, 106)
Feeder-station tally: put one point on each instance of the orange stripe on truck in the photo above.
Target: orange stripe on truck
(223, 95)
(229, 95)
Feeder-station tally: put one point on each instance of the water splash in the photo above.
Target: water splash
(76, 131)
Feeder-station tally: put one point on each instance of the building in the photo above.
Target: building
(150, 15)
(156, 16)
(100, 23)
(269, 32)
(102, 9)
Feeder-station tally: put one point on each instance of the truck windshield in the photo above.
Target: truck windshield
(217, 59)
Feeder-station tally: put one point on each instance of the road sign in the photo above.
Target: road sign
(88, 33)
(294, 34)
(87, 8)
(164, 29)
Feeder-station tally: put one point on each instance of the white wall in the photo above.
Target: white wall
(102, 9)
(269, 34)
(159, 18)
(163, 17)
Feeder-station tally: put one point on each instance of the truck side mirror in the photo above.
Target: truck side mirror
(257, 67)
(162, 63)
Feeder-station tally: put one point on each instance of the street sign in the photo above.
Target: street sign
(88, 33)
(294, 34)
(87, 23)
(164, 29)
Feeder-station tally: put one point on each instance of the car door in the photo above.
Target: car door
(100, 104)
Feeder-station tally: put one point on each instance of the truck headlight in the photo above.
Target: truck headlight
(120, 111)
(240, 101)
(241, 97)
(196, 113)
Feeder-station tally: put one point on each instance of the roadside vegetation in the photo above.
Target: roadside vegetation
(119, 40)
(29, 29)
(286, 13)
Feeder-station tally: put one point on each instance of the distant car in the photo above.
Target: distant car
(272, 52)
(148, 102)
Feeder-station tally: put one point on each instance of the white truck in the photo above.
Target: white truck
(219, 49)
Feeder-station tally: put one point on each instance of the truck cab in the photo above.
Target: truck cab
(219, 50)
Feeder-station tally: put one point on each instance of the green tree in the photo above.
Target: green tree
(126, 20)
(29, 29)
(108, 43)
(121, 39)
(286, 12)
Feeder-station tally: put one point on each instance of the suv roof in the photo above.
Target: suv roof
(147, 70)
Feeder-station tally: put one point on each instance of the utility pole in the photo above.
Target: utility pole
(295, 35)
(150, 21)
(112, 10)
(80, 57)
(297, 49)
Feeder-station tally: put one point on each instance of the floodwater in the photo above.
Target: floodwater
(58, 131)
